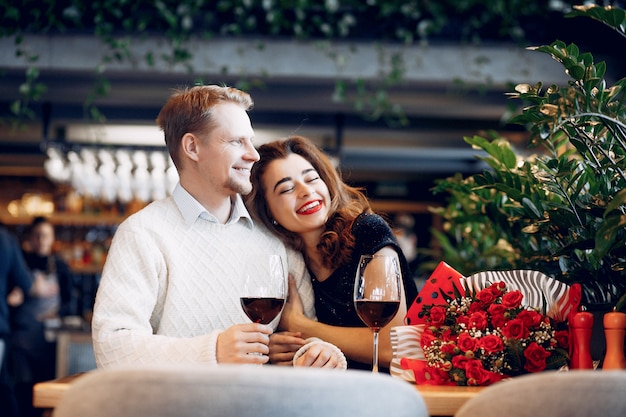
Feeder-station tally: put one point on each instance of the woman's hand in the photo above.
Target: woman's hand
(319, 354)
(293, 310)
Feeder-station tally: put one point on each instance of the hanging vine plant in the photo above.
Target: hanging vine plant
(118, 23)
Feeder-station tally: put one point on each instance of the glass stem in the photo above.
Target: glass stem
(375, 356)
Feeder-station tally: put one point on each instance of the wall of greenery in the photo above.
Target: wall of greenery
(119, 22)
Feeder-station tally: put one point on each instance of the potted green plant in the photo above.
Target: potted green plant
(562, 209)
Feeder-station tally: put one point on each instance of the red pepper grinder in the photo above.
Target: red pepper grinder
(580, 330)
(614, 331)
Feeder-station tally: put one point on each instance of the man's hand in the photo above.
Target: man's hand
(244, 343)
(283, 347)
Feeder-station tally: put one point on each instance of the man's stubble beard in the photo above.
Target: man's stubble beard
(240, 188)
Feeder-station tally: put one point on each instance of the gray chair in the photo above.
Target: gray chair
(242, 391)
(579, 393)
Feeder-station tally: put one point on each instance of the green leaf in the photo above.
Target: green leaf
(575, 70)
(572, 50)
(605, 237)
(613, 17)
(531, 208)
(600, 69)
(616, 202)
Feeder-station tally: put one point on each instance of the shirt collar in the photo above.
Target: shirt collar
(191, 209)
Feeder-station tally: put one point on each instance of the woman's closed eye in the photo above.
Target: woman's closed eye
(286, 190)
(290, 187)
(288, 184)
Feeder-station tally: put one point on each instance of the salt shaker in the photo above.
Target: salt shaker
(614, 331)
(580, 329)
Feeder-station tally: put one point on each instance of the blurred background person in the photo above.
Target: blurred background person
(13, 273)
(33, 355)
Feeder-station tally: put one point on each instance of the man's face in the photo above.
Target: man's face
(228, 152)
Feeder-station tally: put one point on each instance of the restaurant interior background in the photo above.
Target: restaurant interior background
(443, 86)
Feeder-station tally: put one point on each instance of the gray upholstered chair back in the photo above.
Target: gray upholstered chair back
(242, 391)
(580, 393)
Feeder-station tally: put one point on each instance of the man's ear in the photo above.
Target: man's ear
(189, 146)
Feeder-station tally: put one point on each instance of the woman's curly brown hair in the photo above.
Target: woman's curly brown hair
(337, 241)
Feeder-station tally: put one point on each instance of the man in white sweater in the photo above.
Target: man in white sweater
(174, 274)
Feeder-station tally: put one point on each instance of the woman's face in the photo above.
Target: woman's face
(42, 239)
(297, 197)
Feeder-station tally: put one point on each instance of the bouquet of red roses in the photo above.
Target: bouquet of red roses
(478, 338)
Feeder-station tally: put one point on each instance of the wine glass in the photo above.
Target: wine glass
(263, 295)
(377, 294)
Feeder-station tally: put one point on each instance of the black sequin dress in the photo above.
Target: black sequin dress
(333, 296)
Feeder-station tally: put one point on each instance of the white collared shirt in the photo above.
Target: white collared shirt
(191, 208)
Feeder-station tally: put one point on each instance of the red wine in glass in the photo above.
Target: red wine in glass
(376, 314)
(262, 309)
(265, 289)
(377, 294)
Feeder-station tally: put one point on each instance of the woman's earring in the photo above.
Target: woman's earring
(274, 222)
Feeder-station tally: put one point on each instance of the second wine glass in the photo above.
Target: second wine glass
(377, 294)
(264, 291)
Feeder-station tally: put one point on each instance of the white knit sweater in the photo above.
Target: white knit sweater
(168, 289)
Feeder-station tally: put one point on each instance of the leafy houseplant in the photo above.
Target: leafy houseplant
(561, 211)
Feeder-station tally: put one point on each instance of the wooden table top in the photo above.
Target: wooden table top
(446, 400)
(440, 400)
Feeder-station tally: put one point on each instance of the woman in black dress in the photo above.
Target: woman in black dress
(299, 195)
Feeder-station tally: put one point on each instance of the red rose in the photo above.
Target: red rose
(499, 321)
(447, 335)
(492, 377)
(478, 320)
(448, 348)
(463, 320)
(475, 372)
(515, 329)
(496, 310)
(535, 358)
(460, 361)
(485, 296)
(491, 343)
(562, 338)
(498, 288)
(437, 315)
(436, 376)
(466, 342)
(530, 318)
(474, 307)
(427, 338)
(512, 299)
